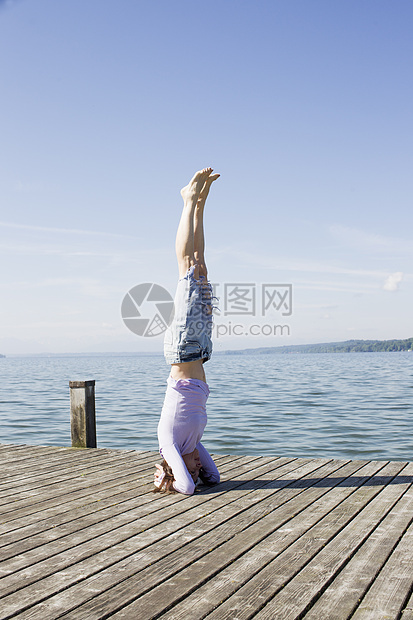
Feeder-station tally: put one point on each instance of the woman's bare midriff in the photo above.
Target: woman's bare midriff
(188, 370)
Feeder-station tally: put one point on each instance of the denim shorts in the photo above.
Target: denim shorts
(188, 338)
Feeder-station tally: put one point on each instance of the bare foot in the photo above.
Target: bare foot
(190, 193)
(205, 190)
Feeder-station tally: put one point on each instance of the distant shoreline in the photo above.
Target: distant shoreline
(347, 346)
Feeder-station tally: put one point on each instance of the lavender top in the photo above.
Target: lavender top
(180, 429)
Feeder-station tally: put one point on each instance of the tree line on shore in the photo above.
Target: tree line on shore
(348, 346)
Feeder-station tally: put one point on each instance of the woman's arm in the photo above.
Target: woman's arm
(183, 481)
(210, 472)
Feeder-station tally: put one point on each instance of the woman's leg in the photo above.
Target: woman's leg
(190, 250)
(184, 246)
(199, 238)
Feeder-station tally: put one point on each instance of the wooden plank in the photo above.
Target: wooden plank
(27, 455)
(25, 452)
(344, 594)
(50, 471)
(4, 447)
(218, 527)
(53, 529)
(299, 540)
(61, 470)
(279, 537)
(279, 530)
(409, 606)
(86, 517)
(393, 586)
(30, 467)
(157, 499)
(80, 492)
(334, 552)
(102, 535)
(131, 553)
(35, 498)
(223, 584)
(55, 506)
(116, 491)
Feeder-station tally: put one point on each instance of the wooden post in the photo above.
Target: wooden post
(82, 414)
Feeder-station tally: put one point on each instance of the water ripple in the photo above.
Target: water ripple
(329, 405)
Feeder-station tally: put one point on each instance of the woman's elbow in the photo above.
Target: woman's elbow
(210, 478)
(185, 489)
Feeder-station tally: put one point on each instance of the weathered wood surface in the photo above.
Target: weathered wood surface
(82, 414)
(82, 536)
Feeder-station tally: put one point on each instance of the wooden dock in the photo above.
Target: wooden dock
(82, 536)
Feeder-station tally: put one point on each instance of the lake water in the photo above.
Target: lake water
(354, 405)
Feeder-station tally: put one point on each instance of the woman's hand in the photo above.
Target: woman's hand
(158, 475)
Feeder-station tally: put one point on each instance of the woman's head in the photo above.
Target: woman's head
(193, 464)
(165, 477)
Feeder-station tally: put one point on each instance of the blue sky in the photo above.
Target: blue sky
(107, 109)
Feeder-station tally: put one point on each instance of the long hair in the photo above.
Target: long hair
(166, 485)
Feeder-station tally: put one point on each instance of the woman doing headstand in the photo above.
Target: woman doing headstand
(187, 346)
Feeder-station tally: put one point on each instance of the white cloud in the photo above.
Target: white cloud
(71, 231)
(392, 282)
(361, 238)
(282, 263)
